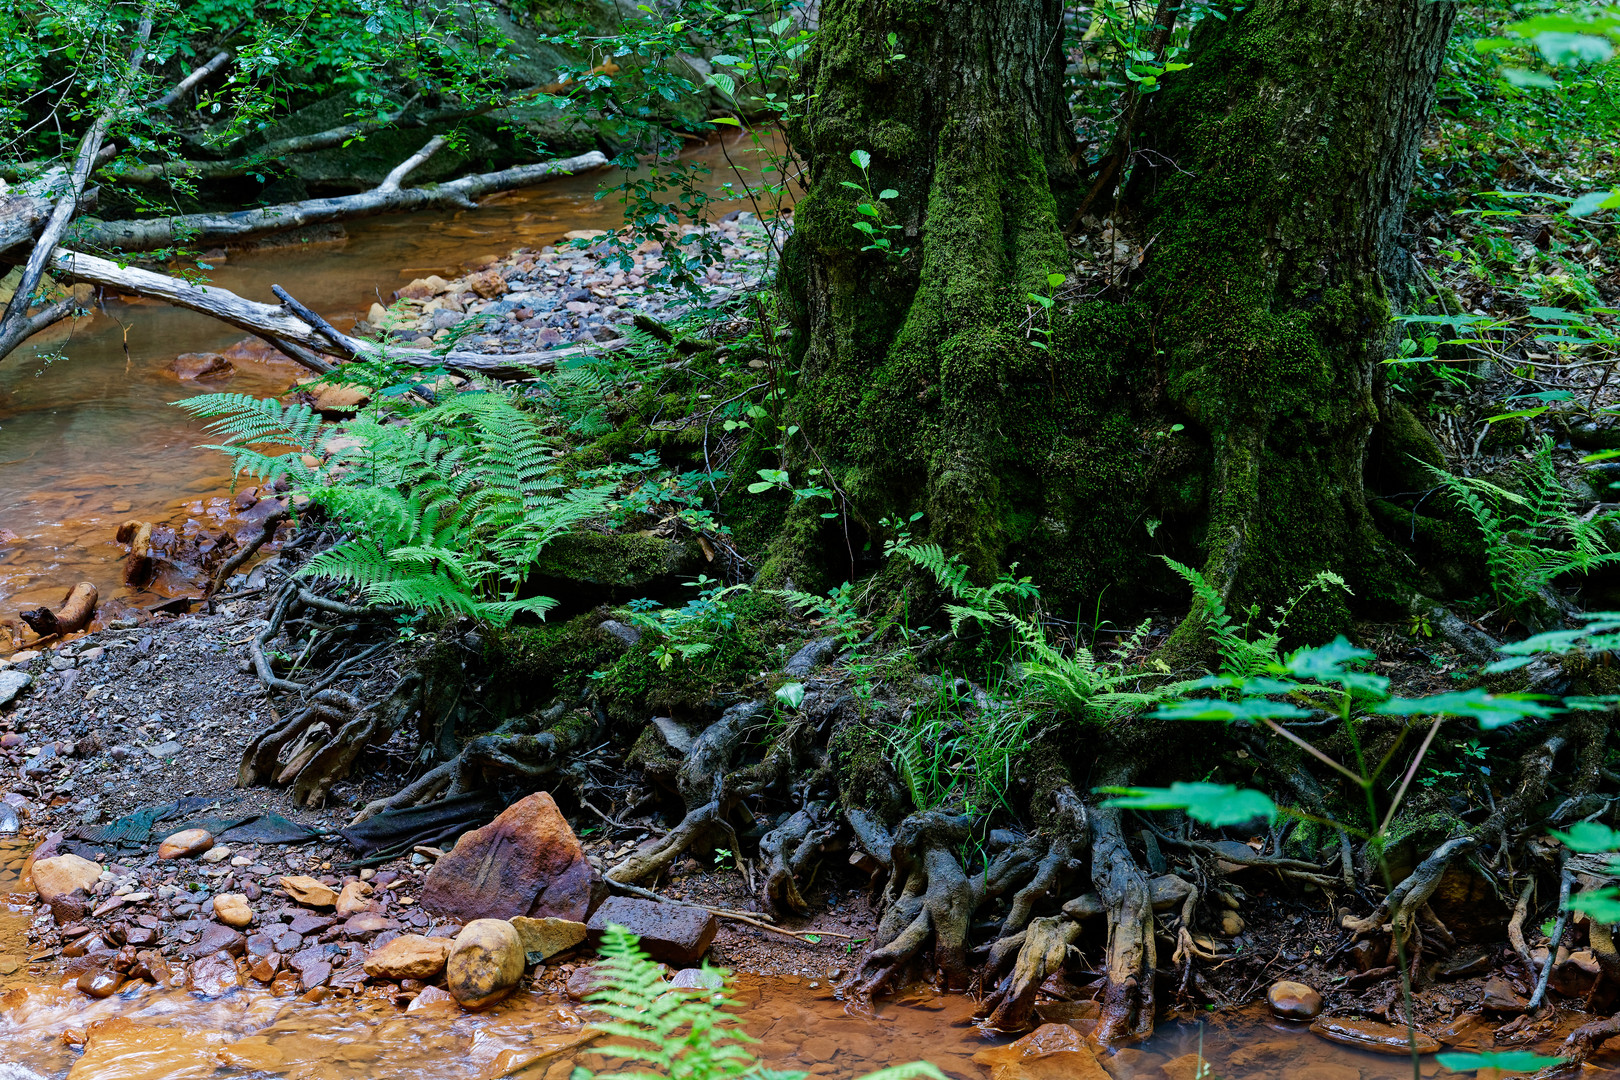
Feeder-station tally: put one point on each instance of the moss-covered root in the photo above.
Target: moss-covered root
(1128, 1001)
(930, 898)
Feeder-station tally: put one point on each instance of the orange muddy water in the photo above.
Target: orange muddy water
(87, 439)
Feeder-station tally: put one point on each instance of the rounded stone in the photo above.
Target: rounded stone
(232, 910)
(1294, 1000)
(64, 875)
(185, 843)
(100, 983)
(485, 963)
(409, 956)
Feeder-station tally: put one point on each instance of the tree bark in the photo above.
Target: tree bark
(1227, 395)
(1274, 188)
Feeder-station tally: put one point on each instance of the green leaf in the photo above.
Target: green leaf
(1594, 201)
(1603, 905)
(731, 121)
(1529, 80)
(1054, 280)
(1525, 413)
(813, 939)
(791, 694)
(861, 159)
(1216, 709)
(1213, 804)
(1490, 710)
(915, 1070)
(867, 208)
(888, 193)
(1506, 1060)
(1588, 837)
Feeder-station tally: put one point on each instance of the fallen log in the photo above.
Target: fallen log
(138, 563)
(22, 216)
(269, 321)
(73, 615)
(149, 234)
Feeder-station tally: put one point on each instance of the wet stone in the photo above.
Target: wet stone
(213, 975)
(1294, 1000)
(100, 983)
(215, 938)
(1367, 1035)
(673, 933)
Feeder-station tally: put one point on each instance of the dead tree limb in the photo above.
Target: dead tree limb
(405, 168)
(268, 321)
(149, 234)
(181, 88)
(15, 326)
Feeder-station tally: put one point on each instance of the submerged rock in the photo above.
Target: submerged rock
(1050, 1052)
(1367, 1035)
(525, 862)
(485, 963)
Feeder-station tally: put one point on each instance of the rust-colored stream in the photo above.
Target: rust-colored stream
(48, 1026)
(87, 439)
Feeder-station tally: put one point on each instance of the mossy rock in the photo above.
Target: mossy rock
(618, 560)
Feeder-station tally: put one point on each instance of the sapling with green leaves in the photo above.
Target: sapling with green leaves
(870, 223)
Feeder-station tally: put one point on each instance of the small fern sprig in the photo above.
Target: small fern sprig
(681, 1034)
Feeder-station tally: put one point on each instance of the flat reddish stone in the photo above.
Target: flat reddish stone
(674, 933)
(525, 862)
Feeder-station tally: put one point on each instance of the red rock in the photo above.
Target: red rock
(100, 983)
(525, 862)
(186, 843)
(674, 933)
(201, 365)
(215, 938)
(213, 975)
(1367, 1035)
(489, 284)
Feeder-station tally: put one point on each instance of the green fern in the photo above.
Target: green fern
(681, 1034)
(1241, 654)
(445, 510)
(1532, 536)
(1073, 679)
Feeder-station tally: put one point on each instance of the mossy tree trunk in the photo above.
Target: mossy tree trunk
(1271, 177)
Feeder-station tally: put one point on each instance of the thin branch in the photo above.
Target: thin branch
(406, 167)
(219, 60)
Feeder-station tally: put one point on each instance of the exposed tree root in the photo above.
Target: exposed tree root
(790, 852)
(930, 898)
(1128, 999)
(1045, 947)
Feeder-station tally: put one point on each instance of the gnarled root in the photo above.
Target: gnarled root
(929, 897)
(1585, 1039)
(790, 852)
(707, 790)
(513, 749)
(263, 758)
(1404, 901)
(1046, 945)
(334, 759)
(1128, 1001)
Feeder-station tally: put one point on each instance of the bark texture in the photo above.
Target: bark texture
(1271, 179)
(1274, 183)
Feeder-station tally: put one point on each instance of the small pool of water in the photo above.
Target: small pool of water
(88, 440)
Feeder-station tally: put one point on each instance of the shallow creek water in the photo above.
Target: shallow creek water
(88, 441)
(144, 1033)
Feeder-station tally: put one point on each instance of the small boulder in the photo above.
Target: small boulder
(697, 979)
(201, 365)
(489, 284)
(409, 956)
(63, 875)
(1501, 997)
(215, 938)
(340, 398)
(1577, 974)
(232, 910)
(355, 898)
(545, 938)
(308, 891)
(525, 862)
(1294, 1000)
(185, 844)
(100, 982)
(674, 933)
(485, 963)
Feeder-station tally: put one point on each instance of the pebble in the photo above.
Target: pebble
(232, 910)
(1294, 1000)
